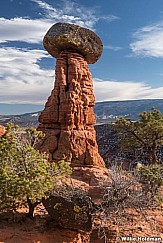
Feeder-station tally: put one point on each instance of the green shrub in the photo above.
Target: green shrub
(26, 175)
(151, 177)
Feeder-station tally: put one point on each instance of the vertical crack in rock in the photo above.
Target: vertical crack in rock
(67, 84)
(58, 99)
(68, 117)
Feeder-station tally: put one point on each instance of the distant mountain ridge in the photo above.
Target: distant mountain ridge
(18, 109)
(105, 112)
(110, 110)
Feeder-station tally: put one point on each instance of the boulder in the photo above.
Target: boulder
(64, 36)
(70, 213)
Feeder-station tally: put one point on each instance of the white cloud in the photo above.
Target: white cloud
(114, 90)
(45, 6)
(113, 48)
(59, 14)
(33, 30)
(109, 18)
(23, 81)
(21, 78)
(148, 41)
(74, 13)
(27, 30)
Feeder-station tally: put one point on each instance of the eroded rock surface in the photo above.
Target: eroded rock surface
(2, 130)
(64, 36)
(68, 118)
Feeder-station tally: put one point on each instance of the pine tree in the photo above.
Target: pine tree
(146, 133)
(26, 175)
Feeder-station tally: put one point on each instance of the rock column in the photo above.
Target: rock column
(68, 118)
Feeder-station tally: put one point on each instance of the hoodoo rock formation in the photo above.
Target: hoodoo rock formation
(68, 118)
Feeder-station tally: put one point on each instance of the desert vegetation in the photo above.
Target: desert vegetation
(26, 174)
(27, 178)
(133, 191)
(147, 132)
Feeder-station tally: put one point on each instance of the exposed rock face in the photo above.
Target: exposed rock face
(64, 36)
(2, 130)
(68, 117)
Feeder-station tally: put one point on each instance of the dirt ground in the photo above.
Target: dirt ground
(18, 228)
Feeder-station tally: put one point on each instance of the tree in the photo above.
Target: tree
(151, 177)
(26, 175)
(146, 133)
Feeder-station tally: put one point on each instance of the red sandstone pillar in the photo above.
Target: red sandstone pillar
(68, 118)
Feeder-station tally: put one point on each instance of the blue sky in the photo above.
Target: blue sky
(131, 66)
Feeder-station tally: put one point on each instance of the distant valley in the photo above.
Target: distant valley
(105, 112)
